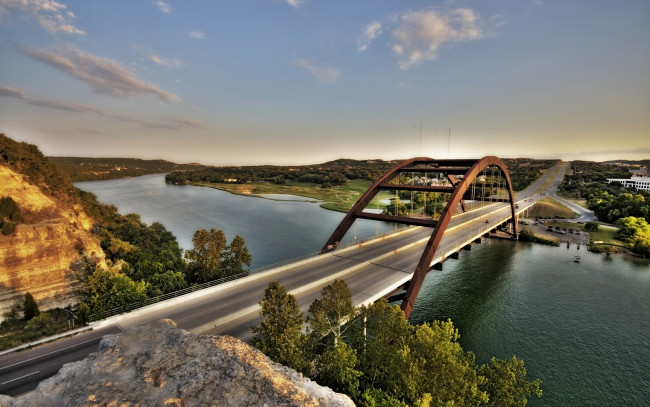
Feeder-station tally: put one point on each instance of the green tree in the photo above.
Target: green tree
(635, 232)
(380, 335)
(336, 368)
(105, 289)
(328, 314)
(279, 335)
(443, 369)
(506, 383)
(591, 226)
(235, 257)
(205, 258)
(30, 308)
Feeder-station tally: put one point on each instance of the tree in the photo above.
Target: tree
(235, 257)
(591, 226)
(279, 335)
(205, 259)
(336, 369)
(105, 289)
(506, 383)
(329, 313)
(635, 232)
(30, 308)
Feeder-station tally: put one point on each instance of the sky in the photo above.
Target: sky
(234, 82)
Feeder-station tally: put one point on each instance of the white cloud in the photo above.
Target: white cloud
(199, 35)
(420, 34)
(168, 124)
(295, 3)
(164, 7)
(49, 14)
(167, 63)
(372, 31)
(323, 74)
(104, 75)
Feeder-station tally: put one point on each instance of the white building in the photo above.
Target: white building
(638, 183)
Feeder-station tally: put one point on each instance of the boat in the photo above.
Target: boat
(576, 259)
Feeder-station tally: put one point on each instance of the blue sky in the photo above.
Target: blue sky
(304, 81)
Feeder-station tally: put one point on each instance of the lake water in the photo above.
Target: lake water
(583, 328)
(274, 230)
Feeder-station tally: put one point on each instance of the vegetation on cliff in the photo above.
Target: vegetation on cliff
(143, 261)
(374, 355)
(10, 215)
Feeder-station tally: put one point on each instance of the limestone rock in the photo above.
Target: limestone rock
(159, 365)
(41, 258)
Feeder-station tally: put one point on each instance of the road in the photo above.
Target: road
(372, 270)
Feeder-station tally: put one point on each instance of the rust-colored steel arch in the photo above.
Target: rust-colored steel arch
(432, 245)
(471, 170)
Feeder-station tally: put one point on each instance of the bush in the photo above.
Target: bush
(30, 307)
(591, 226)
(7, 228)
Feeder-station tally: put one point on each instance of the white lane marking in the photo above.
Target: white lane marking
(49, 353)
(21, 377)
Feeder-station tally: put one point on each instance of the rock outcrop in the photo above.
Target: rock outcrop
(41, 258)
(160, 365)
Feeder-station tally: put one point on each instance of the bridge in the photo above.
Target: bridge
(468, 200)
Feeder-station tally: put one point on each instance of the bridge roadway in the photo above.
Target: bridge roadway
(372, 270)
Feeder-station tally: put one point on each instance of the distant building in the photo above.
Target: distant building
(638, 183)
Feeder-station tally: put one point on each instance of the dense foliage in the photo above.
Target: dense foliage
(27, 160)
(635, 232)
(211, 258)
(522, 172)
(328, 174)
(92, 169)
(376, 357)
(610, 202)
(588, 177)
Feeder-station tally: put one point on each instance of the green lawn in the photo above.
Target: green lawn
(549, 208)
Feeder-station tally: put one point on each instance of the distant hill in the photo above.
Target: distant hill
(641, 163)
(93, 169)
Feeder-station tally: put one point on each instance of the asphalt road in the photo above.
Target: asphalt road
(371, 270)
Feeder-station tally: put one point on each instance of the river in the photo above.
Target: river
(583, 328)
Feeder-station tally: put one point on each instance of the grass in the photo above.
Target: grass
(339, 198)
(550, 208)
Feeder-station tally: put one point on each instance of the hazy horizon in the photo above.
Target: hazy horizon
(309, 81)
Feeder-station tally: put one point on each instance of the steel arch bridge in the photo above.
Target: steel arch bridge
(461, 177)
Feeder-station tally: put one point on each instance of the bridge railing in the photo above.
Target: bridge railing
(153, 300)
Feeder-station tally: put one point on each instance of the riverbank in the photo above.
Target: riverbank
(601, 241)
(337, 198)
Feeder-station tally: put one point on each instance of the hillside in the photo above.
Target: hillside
(52, 241)
(93, 169)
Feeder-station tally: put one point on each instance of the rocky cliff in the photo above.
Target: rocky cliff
(160, 365)
(42, 257)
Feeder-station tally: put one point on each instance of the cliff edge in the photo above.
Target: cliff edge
(160, 365)
(42, 255)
